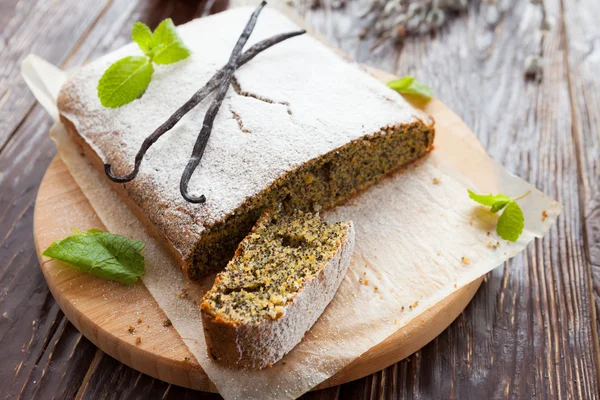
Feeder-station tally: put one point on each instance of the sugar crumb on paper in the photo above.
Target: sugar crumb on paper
(493, 245)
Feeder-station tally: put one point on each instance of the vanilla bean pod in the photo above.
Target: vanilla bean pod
(209, 118)
(200, 95)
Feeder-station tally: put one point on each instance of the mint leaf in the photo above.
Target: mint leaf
(142, 35)
(409, 85)
(401, 84)
(511, 222)
(125, 81)
(102, 254)
(167, 46)
(499, 205)
(489, 199)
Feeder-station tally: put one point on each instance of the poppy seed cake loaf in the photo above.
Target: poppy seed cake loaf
(300, 126)
(283, 275)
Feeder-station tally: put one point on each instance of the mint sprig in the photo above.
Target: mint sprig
(410, 85)
(512, 221)
(100, 253)
(128, 78)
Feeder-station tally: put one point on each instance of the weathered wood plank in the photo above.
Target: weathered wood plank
(46, 28)
(582, 25)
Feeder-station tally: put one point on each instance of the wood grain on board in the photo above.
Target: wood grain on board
(531, 330)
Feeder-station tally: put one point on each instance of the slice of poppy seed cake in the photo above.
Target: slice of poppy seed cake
(283, 275)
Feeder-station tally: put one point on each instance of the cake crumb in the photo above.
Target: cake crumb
(131, 329)
(184, 294)
(402, 308)
(375, 288)
(455, 285)
(138, 340)
(465, 260)
(364, 281)
(491, 245)
(544, 215)
(167, 322)
(436, 181)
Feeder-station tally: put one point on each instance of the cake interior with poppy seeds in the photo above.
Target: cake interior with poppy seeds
(281, 279)
(300, 126)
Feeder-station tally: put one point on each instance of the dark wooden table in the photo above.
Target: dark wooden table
(532, 329)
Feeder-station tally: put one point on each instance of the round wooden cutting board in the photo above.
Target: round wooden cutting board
(127, 323)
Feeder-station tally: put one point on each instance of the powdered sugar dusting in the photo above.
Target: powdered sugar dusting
(315, 103)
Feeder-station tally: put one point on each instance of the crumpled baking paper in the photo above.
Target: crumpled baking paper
(419, 238)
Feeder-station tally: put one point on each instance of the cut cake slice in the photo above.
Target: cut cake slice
(283, 275)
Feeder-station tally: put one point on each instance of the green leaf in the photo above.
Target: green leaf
(511, 222)
(489, 199)
(102, 254)
(410, 85)
(401, 84)
(167, 46)
(142, 35)
(125, 81)
(499, 205)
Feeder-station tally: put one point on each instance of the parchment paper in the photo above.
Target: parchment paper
(417, 241)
